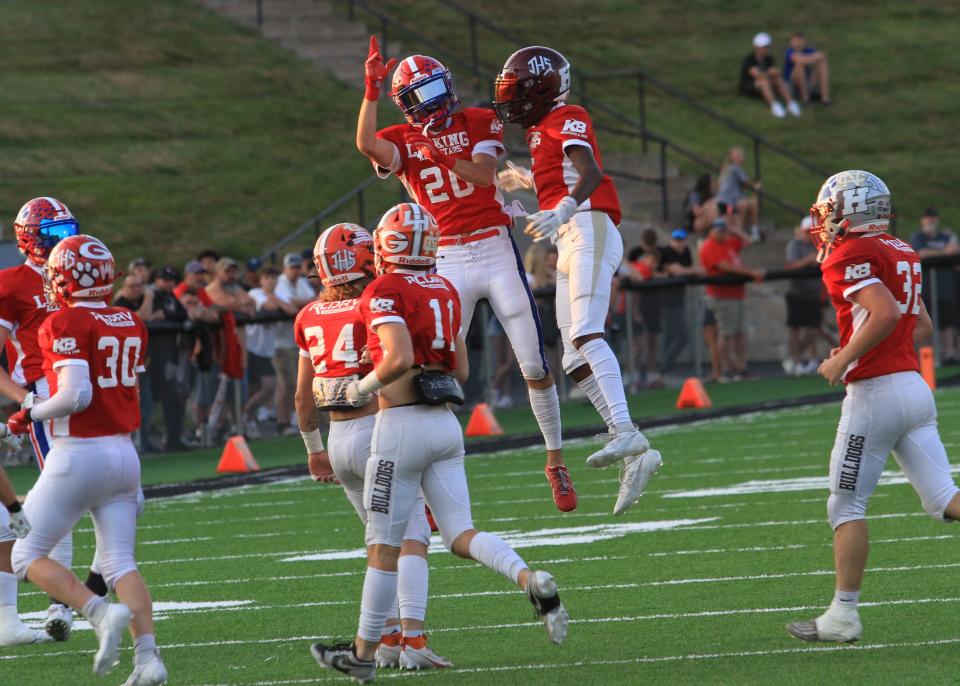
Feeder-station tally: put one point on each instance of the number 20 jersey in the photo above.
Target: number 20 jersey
(857, 263)
(458, 205)
(332, 335)
(111, 343)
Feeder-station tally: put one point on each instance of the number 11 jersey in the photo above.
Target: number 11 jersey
(458, 205)
(860, 262)
(110, 342)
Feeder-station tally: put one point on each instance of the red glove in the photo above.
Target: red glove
(19, 422)
(425, 147)
(375, 71)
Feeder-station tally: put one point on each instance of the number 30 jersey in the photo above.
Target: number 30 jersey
(857, 263)
(427, 304)
(458, 206)
(110, 342)
(332, 336)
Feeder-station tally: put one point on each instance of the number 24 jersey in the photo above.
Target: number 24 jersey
(110, 342)
(332, 335)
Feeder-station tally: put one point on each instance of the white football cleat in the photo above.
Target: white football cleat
(13, 632)
(830, 627)
(388, 652)
(150, 673)
(418, 655)
(109, 630)
(542, 594)
(59, 622)
(619, 446)
(634, 476)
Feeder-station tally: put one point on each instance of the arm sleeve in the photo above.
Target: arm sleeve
(74, 393)
(396, 164)
(488, 133)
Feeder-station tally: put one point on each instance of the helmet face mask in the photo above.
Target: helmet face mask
(532, 82)
(407, 236)
(849, 202)
(40, 224)
(423, 90)
(344, 253)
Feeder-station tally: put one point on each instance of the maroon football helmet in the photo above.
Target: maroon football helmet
(532, 82)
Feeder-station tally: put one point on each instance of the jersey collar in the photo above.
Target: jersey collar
(34, 267)
(90, 304)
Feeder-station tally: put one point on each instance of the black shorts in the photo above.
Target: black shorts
(803, 312)
(749, 89)
(650, 306)
(258, 367)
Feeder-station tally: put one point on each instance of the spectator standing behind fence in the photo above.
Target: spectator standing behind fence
(701, 205)
(642, 265)
(292, 289)
(208, 258)
(760, 78)
(804, 306)
(261, 347)
(738, 209)
(720, 256)
(806, 70)
(933, 241)
(251, 274)
(167, 359)
(676, 260)
(140, 267)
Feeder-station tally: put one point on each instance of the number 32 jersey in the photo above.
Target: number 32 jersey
(458, 206)
(332, 335)
(110, 342)
(857, 263)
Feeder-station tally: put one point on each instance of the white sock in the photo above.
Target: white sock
(845, 600)
(606, 370)
(412, 586)
(492, 551)
(379, 594)
(63, 551)
(591, 389)
(545, 404)
(8, 590)
(143, 649)
(94, 608)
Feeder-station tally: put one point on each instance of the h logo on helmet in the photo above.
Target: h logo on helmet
(540, 64)
(343, 260)
(855, 200)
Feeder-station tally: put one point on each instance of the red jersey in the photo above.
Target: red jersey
(23, 308)
(332, 334)
(111, 342)
(458, 206)
(859, 262)
(712, 253)
(182, 289)
(554, 173)
(427, 304)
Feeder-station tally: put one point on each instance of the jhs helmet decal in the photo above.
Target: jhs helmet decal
(343, 260)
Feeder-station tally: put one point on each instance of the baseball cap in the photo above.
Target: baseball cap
(806, 223)
(720, 224)
(678, 234)
(931, 212)
(168, 273)
(194, 267)
(254, 264)
(138, 262)
(762, 40)
(226, 263)
(292, 259)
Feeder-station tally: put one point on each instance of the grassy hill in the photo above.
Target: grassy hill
(165, 127)
(896, 98)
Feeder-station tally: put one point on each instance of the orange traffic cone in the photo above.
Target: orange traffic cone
(693, 394)
(237, 457)
(927, 370)
(482, 422)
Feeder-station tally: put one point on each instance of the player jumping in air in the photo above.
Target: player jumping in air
(420, 359)
(874, 282)
(447, 160)
(332, 338)
(580, 210)
(92, 354)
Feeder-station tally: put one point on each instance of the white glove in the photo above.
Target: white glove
(10, 439)
(546, 223)
(355, 397)
(516, 178)
(29, 400)
(19, 524)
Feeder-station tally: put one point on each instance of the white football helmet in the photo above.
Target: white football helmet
(852, 201)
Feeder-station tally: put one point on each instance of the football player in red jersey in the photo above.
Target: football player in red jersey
(332, 338)
(447, 160)
(39, 225)
(415, 342)
(91, 356)
(874, 281)
(579, 209)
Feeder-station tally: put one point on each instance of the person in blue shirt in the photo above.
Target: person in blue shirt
(807, 70)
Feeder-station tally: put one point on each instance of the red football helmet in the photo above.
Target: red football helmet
(407, 235)
(344, 252)
(533, 80)
(40, 224)
(423, 89)
(79, 266)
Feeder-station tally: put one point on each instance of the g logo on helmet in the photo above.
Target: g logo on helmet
(94, 250)
(393, 241)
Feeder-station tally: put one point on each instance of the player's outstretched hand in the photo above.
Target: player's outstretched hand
(515, 178)
(320, 469)
(545, 224)
(19, 422)
(19, 524)
(375, 71)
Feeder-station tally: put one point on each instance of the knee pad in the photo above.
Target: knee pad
(843, 508)
(533, 372)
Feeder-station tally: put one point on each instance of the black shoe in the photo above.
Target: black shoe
(343, 658)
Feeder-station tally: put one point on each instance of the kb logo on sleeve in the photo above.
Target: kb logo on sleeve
(857, 271)
(574, 126)
(64, 346)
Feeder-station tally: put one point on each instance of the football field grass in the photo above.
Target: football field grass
(692, 585)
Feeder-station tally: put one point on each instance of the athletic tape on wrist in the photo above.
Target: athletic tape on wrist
(312, 440)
